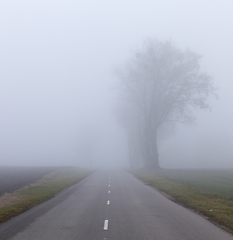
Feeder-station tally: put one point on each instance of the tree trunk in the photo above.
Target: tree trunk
(154, 143)
(151, 149)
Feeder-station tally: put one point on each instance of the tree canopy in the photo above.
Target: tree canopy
(162, 84)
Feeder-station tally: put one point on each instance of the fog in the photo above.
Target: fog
(57, 82)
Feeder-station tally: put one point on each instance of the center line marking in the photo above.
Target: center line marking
(108, 191)
(108, 202)
(106, 225)
(109, 185)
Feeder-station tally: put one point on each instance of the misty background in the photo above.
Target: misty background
(57, 81)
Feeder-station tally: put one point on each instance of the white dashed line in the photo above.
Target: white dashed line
(106, 225)
(108, 191)
(109, 185)
(108, 202)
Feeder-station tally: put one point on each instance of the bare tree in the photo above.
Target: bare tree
(164, 84)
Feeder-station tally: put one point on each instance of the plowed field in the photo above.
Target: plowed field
(14, 178)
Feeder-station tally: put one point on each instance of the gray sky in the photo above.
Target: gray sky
(56, 78)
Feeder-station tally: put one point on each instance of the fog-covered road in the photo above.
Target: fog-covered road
(110, 205)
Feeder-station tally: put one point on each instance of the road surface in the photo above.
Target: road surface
(110, 205)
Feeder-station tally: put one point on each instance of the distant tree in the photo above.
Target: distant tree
(126, 115)
(163, 84)
(87, 141)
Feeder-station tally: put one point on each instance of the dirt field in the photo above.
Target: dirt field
(14, 178)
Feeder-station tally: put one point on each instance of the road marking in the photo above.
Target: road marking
(108, 202)
(108, 191)
(109, 185)
(106, 225)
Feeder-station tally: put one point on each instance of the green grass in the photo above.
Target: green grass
(44, 190)
(208, 192)
(216, 181)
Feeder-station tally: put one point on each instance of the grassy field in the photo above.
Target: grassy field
(208, 192)
(13, 204)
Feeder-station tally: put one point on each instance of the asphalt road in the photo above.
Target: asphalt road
(110, 205)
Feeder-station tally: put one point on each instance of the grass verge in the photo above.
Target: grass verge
(24, 199)
(205, 191)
